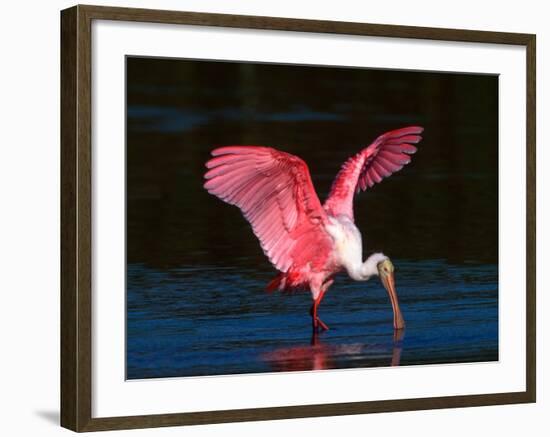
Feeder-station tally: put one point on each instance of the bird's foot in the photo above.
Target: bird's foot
(319, 325)
(322, 324)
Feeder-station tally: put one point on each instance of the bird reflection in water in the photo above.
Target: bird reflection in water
(320, 356)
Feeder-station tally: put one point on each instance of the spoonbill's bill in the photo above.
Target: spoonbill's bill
(306, 241)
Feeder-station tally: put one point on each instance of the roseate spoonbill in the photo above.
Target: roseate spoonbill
(306, 241)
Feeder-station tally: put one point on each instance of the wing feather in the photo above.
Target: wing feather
(275, 193)
(385, 156)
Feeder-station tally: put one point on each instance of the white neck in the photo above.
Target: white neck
(363, 271)
(349, 248)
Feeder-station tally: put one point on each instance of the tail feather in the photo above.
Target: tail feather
(290, 281)
(275, 283)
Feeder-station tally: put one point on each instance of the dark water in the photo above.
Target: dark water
(196, 275)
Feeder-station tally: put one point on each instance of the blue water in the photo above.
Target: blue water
(209, 320)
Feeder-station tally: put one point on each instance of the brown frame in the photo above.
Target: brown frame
(76, 249)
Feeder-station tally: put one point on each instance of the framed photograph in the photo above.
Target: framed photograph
(268, 218)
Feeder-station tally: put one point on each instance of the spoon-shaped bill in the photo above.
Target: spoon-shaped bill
(389, 284)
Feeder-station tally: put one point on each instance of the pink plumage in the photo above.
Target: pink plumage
(300, 237)
(274, 191)
(385, 156)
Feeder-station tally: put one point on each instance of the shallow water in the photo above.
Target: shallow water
(206, 320)
(196, 275)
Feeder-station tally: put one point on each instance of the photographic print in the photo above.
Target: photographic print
(294, 217)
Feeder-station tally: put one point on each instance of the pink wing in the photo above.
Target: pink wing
(274, 191)
(385, 156)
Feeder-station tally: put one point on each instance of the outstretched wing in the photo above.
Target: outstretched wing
(274, 191)
(385, 156)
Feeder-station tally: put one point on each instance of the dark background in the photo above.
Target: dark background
(440, 213)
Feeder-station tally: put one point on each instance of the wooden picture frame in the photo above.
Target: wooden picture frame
(76, 217)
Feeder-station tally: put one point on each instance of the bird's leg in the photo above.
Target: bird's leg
(324, 288)
(320, 323)
(317, 323)
(313, 314)
(314, 338)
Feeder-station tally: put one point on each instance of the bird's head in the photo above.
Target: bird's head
(385, 272)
